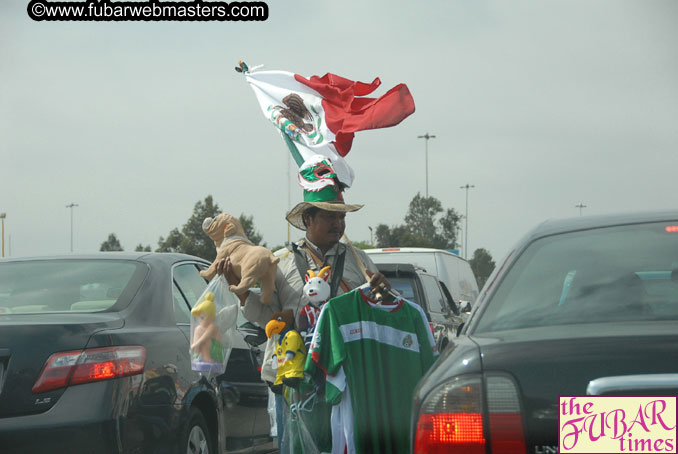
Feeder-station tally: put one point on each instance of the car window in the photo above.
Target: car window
(434, 295)
(609, 274)
(404, 286)
(187, 288)
(182, 311)
(451, 303)
(189, 282)
(44, 286)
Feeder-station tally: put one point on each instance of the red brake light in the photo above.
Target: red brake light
(451, 417)
(672, 228)
(438, 433)
(72, 368)
(391, 249)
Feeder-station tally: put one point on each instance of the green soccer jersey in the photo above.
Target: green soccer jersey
(373, 356)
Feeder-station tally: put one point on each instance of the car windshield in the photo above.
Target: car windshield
(624, 273)
(44, 286)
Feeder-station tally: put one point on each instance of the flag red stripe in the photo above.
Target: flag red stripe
(346, 112)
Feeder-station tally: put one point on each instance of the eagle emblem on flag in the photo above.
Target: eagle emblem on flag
(292, 119)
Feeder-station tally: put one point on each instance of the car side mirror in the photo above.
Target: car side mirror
(256, 340)
(254, 334)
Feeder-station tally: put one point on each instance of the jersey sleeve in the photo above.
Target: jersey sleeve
(327, 347)
(427, 347)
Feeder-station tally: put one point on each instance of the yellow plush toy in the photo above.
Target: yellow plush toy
(290, 353)
(250, 263)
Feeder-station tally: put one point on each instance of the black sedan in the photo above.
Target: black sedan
(94, 357)
(581, 306)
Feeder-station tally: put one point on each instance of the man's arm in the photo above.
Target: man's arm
(252, 307)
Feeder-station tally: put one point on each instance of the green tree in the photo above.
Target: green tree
(191, 239)
(248, 226)
(482, 265)
(362, 244)
(111, 244)
(142, 248)
(426, 225)
(172, 243)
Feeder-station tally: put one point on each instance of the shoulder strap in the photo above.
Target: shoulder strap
(337, 269)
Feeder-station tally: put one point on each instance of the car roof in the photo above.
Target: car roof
(557, 226)
(147, 257)
(402, 268)
(409, 249)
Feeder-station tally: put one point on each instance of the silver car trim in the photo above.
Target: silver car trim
(604, 385)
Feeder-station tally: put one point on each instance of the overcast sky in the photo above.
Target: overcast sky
(539, 104)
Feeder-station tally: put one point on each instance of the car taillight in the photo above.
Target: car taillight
(451, 418)
(506, 421)
(84, 366)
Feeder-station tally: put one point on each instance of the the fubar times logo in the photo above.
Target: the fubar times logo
(617, 424)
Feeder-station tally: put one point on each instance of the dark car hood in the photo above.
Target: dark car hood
(26, 341)
(561, 360)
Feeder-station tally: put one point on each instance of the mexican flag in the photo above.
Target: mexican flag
(320, 115)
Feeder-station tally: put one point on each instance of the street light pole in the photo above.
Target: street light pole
(467, 187)
(71, 207)
(580, 206)
(426, 136)
(2, 217)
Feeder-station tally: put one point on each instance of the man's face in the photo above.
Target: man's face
(325, 228)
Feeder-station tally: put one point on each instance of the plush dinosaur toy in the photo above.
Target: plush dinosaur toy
(317, 292)
(290, 353)
(250, 263)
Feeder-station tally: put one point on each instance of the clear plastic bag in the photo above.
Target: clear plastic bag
(213, 324)
(271, 414)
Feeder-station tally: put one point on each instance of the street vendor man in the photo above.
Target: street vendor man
(322, 215)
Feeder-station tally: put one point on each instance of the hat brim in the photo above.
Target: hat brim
(294, 216)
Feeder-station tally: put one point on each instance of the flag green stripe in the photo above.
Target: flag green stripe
(293, 149)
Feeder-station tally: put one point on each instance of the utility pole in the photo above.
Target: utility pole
(426, 136)
(371, 236)
(580, 206)
(71, 206)
(2, 217)
(467, 187)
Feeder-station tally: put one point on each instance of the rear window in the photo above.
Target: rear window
(627, 273)
(405, 287)
(47, 286)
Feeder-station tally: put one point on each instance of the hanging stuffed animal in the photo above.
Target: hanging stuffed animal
(250, 263)
(290, 353)
(317, 292)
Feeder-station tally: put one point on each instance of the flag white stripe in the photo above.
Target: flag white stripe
(384, 334)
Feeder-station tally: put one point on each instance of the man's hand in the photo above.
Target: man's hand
(225, 267)
(377, 281)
